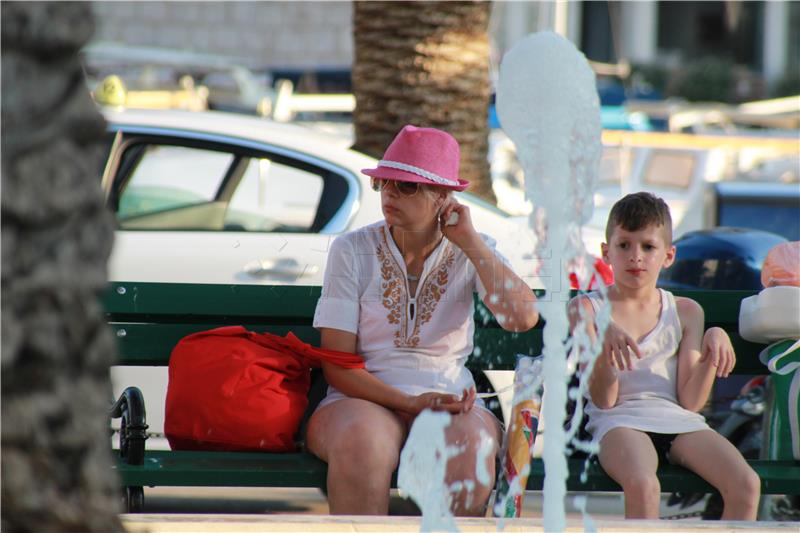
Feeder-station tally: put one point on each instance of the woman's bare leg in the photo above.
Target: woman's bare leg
(715, 459)
(361, 443)
(629, 457)
(466, 431)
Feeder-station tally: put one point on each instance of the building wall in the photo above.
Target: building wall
(304, 33)
(269, 34)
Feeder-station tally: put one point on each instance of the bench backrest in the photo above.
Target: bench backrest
(150, 318)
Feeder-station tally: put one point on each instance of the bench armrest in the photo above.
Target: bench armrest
(133, 428)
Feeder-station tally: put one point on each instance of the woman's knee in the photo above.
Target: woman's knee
(366, 447)
(477, 447)
(353, 431)
(473, 430)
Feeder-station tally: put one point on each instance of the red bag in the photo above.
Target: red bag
(236, 390)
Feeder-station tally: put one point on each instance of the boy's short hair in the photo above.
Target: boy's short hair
(637, 211)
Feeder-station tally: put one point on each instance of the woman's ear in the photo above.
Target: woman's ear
(441, 199)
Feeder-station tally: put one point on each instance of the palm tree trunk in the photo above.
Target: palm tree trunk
(426, 64)
(56, 235)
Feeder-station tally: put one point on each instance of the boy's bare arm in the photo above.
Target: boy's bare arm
(717, 345)
(696, 373)
(603, 383)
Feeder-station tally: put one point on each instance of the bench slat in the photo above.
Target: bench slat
(226, 469)
(279, 302)
(165, 312)
(192, 300)
(151, 344)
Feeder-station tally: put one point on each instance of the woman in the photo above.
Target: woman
(400, 293)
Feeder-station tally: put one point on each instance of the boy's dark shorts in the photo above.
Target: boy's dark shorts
(662, 443)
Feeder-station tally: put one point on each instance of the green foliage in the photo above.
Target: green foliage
(710, 79)
(655, 76)
(788, 85)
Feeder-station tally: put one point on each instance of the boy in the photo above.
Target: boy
(652, 378)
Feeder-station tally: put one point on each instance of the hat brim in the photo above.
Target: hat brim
(395, 174)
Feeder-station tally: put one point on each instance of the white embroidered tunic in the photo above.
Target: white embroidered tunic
(648, 394)
(365, 292)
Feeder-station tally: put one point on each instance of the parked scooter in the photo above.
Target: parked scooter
(742, 426)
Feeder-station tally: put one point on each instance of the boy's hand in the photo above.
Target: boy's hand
(717, 349)
(618, 347)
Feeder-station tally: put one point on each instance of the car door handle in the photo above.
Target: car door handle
(286, 266)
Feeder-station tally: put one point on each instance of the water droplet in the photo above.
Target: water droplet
(573, 393)
(121, 333)
(121, 290)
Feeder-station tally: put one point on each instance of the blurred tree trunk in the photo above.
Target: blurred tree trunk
(426, 64)
(56, 238)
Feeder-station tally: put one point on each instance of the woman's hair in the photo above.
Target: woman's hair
(637, 211)
(434, 191)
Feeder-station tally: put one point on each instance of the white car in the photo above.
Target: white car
(209, 197)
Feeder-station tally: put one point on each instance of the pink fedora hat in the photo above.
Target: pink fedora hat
(421, 155)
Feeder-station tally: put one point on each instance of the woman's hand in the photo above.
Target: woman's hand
(718, 350)
(437, 401)
(619, 347)
(462, 233)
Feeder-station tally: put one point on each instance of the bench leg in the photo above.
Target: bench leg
(133, 426)
(132, 435)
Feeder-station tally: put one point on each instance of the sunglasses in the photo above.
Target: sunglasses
(406, 188)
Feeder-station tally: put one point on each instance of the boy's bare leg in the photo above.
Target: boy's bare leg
(361, 443)
(715, 459)
(629, 457)
(464, 432)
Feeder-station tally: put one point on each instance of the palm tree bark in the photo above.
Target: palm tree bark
(56, 239)
(426, 64)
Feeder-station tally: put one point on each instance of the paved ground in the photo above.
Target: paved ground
(251, 510)
(405, 524)
(187, 500)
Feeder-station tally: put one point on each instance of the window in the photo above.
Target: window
(667, 169)
(174, 187)
(274, 197)
(615, 165)
(170, 186)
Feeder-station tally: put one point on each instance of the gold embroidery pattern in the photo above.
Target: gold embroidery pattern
(432, 291)
(395, 299)
(392, 288)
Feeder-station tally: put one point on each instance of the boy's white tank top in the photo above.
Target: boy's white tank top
(648, 399)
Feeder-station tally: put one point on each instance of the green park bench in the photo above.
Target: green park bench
(149, 319)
